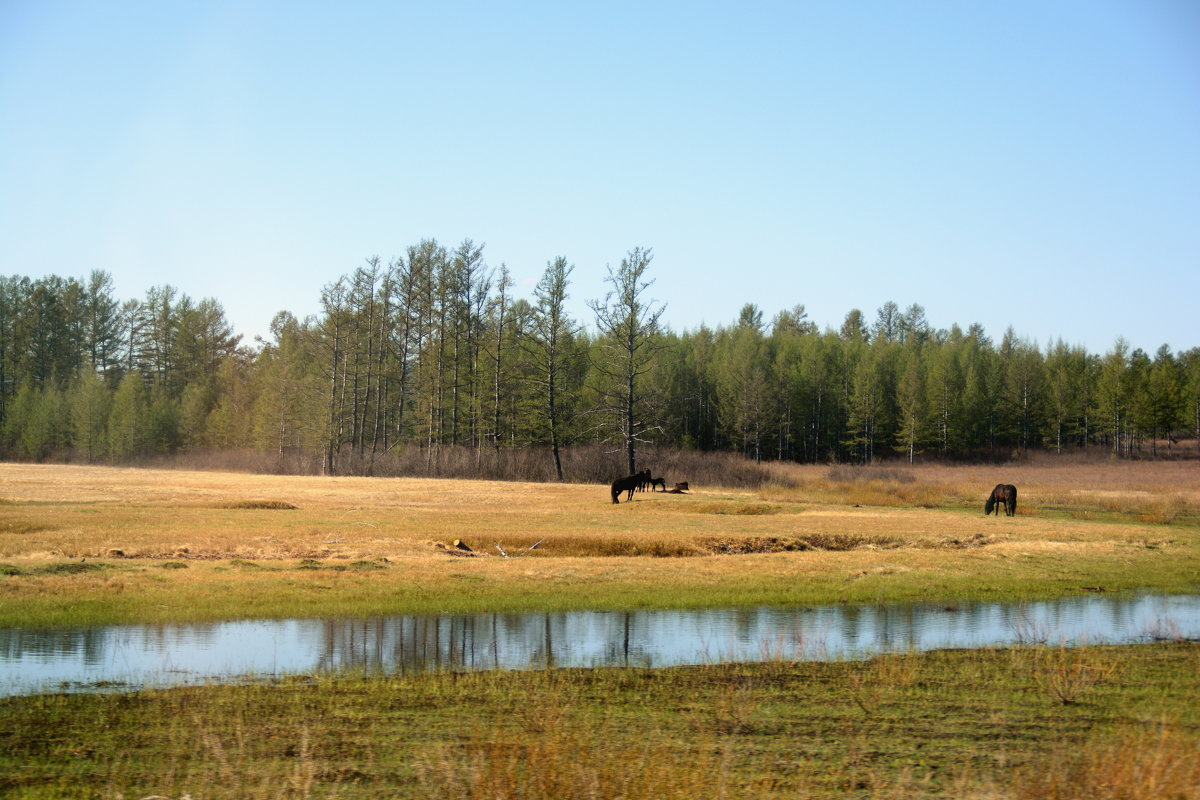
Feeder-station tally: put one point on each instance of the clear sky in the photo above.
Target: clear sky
(1016, 162)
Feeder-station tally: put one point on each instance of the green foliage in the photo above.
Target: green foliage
(433, 351)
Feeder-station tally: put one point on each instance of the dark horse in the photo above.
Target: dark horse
(1005, 494)
(629, 484)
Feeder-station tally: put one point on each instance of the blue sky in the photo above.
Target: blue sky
(1033, 164)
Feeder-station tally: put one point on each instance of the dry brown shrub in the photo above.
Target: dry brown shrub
(592, 463)
(1069, 674)
(1134, 763)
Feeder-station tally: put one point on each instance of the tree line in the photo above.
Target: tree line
(431, 352)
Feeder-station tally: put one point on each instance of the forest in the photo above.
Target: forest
(430, 358)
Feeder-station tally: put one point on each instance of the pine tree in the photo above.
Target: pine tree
(89, 403)
(127, 435)
(551, 349)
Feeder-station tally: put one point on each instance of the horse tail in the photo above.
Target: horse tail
(1012, 500)
(616, 491)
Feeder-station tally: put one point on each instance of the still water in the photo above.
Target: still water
(133, 656)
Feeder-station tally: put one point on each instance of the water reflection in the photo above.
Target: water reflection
(165, 655)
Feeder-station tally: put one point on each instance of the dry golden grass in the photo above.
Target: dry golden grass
(239, 539)
(55, 511)
(1150, 491)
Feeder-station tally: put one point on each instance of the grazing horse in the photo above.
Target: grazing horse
(627, 484)
(1005, 494)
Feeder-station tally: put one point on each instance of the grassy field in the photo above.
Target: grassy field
(1027, 723)
(95, 545)
(88, 546)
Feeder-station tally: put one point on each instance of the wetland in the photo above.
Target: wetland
(94, 561)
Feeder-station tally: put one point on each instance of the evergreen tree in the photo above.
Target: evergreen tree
(743, 385)
(102, 322)
(127, 430)
(551, 348)
(89, 408)
(1112, 397)
(1164, 390)
(911, 398)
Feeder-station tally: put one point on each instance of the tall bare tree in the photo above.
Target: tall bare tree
(630, 338)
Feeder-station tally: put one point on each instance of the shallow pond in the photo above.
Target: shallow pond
(133, 656)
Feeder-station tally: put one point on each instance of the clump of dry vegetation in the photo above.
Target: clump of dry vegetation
(270, 505)
(789, 544)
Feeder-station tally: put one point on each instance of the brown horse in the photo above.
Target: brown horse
(627, 484)
(1005, 494)
(645, 484)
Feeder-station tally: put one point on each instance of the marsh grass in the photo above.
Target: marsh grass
(949, 724)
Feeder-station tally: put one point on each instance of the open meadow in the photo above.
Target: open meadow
(97, 545)
(92, 545)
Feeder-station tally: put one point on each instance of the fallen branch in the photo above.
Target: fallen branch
(529, 549)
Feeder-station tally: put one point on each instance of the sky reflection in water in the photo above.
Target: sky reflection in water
(168, 655)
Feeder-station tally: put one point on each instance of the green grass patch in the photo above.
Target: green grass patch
(364, 565)
(993, 723)
(71, 568)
